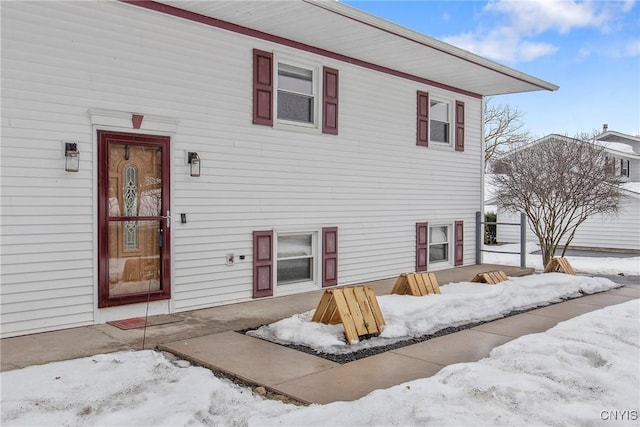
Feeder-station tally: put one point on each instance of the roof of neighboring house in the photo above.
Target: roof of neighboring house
(632, 188)
(619, 148)
(336, 30)
(611, 135)
(621, 142)
(623, 148)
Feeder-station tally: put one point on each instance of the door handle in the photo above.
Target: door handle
(168, 218)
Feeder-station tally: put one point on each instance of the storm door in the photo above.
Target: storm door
(133, 218)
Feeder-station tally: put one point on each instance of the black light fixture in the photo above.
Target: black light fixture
(72, 157)
(194, 161)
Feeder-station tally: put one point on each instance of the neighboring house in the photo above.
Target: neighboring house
(602, 232)
(195, 154)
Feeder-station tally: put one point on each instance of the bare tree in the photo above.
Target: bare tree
(503, 129)
(558, 183)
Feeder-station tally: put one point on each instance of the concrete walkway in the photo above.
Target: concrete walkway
(85, 341)
(311, 379)
(207, 337)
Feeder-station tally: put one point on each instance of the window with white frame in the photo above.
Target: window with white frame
(439, 121)
(296, 258)
(297, 98)
(438, 243)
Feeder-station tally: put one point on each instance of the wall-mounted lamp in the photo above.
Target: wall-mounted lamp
(72, 157)
(194, 163)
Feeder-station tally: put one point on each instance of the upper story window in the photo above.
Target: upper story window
(440, 122)
(296, 94)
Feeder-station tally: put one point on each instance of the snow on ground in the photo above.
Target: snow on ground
(629, 266)
(459, 304)
(582, 372)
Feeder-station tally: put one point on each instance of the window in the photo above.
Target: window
(436, 124)
(295, 260)
(624, 168)
(296, 94)
(609, 165)
(439, 244)
(130, 206)
(439, 123)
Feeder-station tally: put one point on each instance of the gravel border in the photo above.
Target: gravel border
(367, 352)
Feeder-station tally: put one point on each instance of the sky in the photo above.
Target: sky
(583, 371)
(591, 49)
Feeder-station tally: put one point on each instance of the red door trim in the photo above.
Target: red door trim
(104, 137)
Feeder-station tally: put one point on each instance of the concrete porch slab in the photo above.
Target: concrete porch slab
(626, 291)
(354, 380)
(518, 325)
(564, 310)
(464, 346)
(250, 359)
(605, 299)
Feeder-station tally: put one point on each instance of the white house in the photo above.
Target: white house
(199, 153)
(601, 232)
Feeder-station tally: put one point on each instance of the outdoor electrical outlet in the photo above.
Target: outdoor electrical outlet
(231, 259)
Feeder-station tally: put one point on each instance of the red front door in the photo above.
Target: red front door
(133, 218)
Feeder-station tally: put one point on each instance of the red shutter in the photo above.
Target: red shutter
(422, 245)
(423, 119)
(459, 126)
(330, 101)
(329, 256)
(262, 264)
(262, 88)
(459, 243)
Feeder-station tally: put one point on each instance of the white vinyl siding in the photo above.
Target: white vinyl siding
(619, 232)
(62, 59)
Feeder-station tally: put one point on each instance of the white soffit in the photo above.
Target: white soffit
(344, 30)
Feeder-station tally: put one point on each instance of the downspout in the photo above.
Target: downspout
(480, 239)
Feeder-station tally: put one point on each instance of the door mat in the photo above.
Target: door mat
(138, 322)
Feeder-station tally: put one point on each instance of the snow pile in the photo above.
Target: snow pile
(582, 372)
(123, 389)
(459, 304)
(629, 266)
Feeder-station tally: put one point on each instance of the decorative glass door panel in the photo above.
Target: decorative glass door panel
(134, 218)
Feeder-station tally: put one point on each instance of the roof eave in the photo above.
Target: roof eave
(422, 39)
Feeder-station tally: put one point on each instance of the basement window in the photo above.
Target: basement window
(439, 244)
(296, 258)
